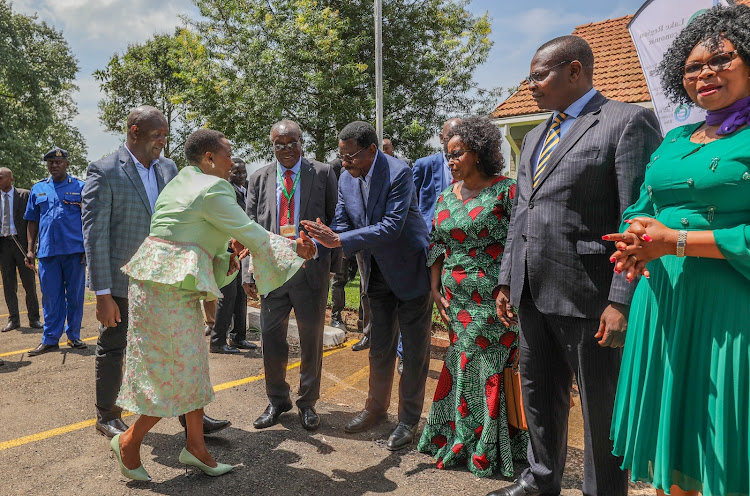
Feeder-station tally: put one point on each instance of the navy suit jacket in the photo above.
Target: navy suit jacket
(428, 179)
(389, 227)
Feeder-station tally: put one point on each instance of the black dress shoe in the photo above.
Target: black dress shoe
(338, 324)
(207, 330)
(400, 366)
(364, 421)
(111, 428)
(210, 425)
(43, 348)
(2, 362)
(362, 344)
(516, 489)
(244, 345)
(271, 416)
(225, 349)
(310, 419)
(35, 324)
(77, 344)
(402, 436)
(10, 326)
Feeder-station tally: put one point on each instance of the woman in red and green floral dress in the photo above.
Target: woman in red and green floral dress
(467, 423)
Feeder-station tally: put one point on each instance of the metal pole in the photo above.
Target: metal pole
(379, 70)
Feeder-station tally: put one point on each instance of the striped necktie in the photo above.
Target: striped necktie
(553, 138)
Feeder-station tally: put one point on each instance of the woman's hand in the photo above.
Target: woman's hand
(234, 264)
(504, 308)
(644, 240)
(239, 249)
(305, 246)
(442, 304)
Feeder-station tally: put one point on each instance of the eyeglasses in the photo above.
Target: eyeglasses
(289, 146)
(455, 155)
(538, 77)
(717, 63)
(348, 157)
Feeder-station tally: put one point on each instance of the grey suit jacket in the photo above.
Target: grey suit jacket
(116, 216)
(555, 235)
(318, 195)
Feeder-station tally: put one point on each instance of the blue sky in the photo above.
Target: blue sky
(95, 29)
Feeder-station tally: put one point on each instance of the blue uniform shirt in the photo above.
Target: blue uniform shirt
(57, 208)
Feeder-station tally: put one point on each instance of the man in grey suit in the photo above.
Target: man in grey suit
(117, 202)
(279, 196)
(578, 172)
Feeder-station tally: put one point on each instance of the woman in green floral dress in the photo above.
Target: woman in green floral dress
(467, 422)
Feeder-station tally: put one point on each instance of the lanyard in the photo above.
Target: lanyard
(290, 194)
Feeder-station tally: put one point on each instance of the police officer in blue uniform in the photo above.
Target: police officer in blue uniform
(54, 216)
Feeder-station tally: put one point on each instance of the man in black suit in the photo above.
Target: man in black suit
(280, 195)
(13, 248)
(231, 309)
(577, 174)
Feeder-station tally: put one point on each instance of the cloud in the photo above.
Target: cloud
(96, 30)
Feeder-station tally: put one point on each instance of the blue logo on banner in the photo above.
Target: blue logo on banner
(681, 113)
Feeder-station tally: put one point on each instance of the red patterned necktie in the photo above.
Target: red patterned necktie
(286, 209)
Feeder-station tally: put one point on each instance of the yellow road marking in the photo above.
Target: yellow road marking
(347, 382)
(40, 436)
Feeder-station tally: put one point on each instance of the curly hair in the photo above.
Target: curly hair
(481, 136)
(716, 24)
(200, 142)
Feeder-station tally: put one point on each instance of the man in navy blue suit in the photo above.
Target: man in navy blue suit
(432, 175)
(377, 217)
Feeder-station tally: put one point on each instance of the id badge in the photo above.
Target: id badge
(288, 231)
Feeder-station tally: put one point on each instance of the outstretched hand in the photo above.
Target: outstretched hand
(322, 233)
(234, 264)
(239, 249)
(305, 246)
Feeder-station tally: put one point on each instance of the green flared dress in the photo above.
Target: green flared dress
(682, 410)
(183, 261)
(467, 423)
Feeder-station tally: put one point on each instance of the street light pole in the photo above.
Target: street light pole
(379, 70)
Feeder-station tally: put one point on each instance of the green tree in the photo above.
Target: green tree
(155, 73)
(313, 61)
(36, 105)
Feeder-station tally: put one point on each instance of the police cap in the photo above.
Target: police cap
(56, 152)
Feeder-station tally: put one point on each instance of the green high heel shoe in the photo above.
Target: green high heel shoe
(138, 474)
(188, 458)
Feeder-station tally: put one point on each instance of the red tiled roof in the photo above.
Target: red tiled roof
(617, 73)
(617, 70)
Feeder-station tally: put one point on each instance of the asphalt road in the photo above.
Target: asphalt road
(48, 445)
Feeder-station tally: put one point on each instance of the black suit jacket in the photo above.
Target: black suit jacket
(20, 199)
(555, 236)
(318, 190)
(240, 196)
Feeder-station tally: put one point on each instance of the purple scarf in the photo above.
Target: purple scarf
(730, 118)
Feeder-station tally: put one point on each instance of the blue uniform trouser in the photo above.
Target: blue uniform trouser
(63, 282)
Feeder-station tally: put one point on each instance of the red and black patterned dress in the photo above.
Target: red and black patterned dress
(467, 422)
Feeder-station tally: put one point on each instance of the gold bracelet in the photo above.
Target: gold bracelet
(681, 242)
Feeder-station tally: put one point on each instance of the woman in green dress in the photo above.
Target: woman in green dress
(183, 261)
(467, 421)
(681, 417)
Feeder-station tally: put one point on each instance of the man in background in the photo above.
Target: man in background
(53, 215)
(13, 249)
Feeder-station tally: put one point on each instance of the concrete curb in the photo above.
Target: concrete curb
(331, 335)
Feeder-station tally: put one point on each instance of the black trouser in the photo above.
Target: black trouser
(413, 318)
(11, 259)
(108, 364)
(338, 296)
(553, 348)
(309, 307)
(231, 308)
